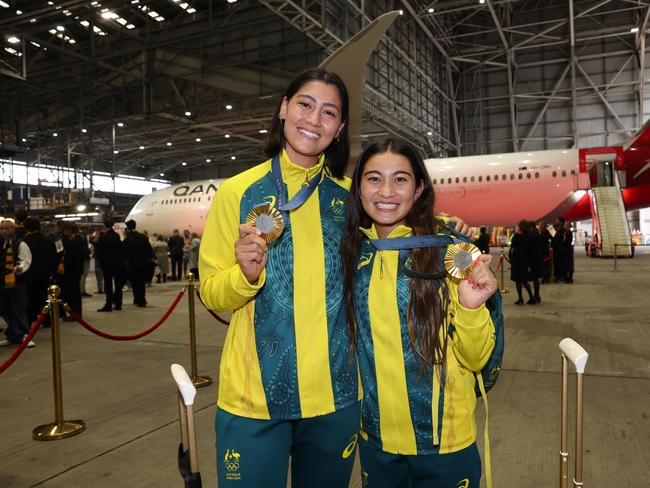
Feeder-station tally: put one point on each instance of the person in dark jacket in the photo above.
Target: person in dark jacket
(140, 260)
(545, 237)
(109, 256)
(520, 262)
(73, 266)
(483, 241)
(20, 218)
(558, 256)
(567, 251)
(176, 243)
(44, 263)
(15, 261)
(536, 260)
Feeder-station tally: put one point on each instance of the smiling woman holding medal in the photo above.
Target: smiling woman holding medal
(419, 330)
(271, 254)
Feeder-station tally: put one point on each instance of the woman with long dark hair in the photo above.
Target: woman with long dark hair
(287, 388)
(417, 340)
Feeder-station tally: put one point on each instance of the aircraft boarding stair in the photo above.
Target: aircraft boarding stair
(608, 208)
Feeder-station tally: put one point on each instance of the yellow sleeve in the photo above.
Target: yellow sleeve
(223, 284)
(473, 339)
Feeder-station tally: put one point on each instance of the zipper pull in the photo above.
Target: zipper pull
(306, 182)
(381, 265)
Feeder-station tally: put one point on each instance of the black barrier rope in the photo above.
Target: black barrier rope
(32, 332)
(112, 337)
(223, 321)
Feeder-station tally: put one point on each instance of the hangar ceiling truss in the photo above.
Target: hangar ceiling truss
(143, 86)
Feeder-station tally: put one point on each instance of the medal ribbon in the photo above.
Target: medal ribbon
(405, 245)
(299, 198)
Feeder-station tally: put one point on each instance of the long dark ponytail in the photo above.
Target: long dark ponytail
(427, 309)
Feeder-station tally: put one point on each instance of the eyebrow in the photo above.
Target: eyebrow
(392, 174)
(328, 104)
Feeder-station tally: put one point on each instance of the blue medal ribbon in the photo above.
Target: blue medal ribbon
(283, 192)
(405, 245)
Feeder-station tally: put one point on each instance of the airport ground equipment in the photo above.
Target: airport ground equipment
(610, 221)
(188, 462)
(573, 352)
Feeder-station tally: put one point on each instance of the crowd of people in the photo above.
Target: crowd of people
(537, 256)
(31, 260)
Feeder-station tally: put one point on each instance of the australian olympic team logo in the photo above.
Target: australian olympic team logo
(231, 463)
(338, 208)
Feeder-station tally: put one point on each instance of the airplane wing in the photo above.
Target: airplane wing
(349, 62)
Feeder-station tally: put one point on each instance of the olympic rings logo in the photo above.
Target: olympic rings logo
(232, 466)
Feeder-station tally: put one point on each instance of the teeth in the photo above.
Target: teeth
(387, 206)
(311, 135)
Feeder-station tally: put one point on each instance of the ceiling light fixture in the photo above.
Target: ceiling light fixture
(198, 139)
(208, 160)
(228, 107)
(188, 114)
(120, 124)
(55, 134)
(233, 158)
(263, 131)
(141, 148)
(169, 143)
(84, 130)
(13, 40)
(183, 163)
(227, 136)
(60, 28)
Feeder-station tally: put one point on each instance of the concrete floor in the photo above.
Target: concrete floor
(124, 392)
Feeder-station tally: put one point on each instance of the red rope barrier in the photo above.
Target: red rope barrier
(223, 321)
(112, 337)
(32, 332)
(499, 264)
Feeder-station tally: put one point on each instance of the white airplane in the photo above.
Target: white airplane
(498, 189)
(182, 206)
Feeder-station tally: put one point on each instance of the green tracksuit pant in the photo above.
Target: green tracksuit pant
(381, 469)
(254, 453)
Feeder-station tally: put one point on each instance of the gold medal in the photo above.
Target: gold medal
(268, 220)
(459, 259)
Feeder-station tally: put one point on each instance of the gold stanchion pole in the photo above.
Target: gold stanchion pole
(60, 429)
(564, 454)
(577, 480)
(502, 262)
(197, 381)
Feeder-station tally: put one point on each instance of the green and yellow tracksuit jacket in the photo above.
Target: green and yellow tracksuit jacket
(405, 411)
(286, 355)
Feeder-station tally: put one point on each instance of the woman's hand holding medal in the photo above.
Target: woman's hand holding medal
(474, 292)
(251, 252)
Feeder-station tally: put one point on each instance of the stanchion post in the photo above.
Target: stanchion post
(574, 353)
(502, 262)
(615, 258)
(577, 479)
(197, 381)
(564, 454)
(61, 428)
